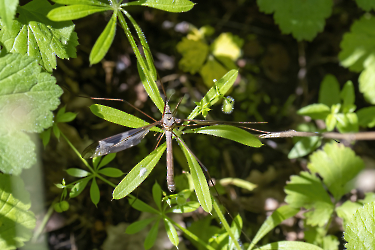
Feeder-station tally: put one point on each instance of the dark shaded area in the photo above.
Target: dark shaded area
(275, 84)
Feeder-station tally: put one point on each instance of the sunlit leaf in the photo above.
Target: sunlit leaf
(303, 19)
(212, 70)
(315, 111)
(27, 98)
(347, 209)
(104, 41)
(36, 36)
(166, 5)
(188, 207)
(17, 222)
(289, 245)
(79, 187)
(106, 159)
(138, 174)
(86, 2)
(231, 133)
(239, 183)
(73, 12)
(359, 229)
(77, 172)
(7, 11)
(366, 117)
(194, 53)
(367, 83)
(171, 232)
(304, 147)
(227, 45)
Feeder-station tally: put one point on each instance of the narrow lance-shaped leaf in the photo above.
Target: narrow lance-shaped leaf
(138, 174)
(231, 133)
(166, 5)
(171, 232)
(72, 12)
(94, 192)
(289, 245)
(7, 11)
(85, 2)
(199, 179)
(151, 236)
(104, 41)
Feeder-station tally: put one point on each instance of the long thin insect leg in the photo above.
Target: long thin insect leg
(170, 167)
(159, 139)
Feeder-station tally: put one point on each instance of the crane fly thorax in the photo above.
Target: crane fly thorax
(169, 122)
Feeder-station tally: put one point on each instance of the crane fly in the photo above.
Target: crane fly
(134, 136)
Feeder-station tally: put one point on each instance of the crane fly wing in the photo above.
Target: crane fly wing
(117, 142)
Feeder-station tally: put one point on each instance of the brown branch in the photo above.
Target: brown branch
(329, 135)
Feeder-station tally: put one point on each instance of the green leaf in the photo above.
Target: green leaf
(330, 242)
(137, 226)
(111, 172)
(337, 165)
(315, 111)
(194, 53)
(95, 161)
(26, 100)
(66, 117)
(56, 130)
(304, 147)
(347, 209)
(141, 206)
(45, 135)
(227, 45)
(329, 92)
(119, 117)
(214, 94)
(138, 174)
(307, 191)
(104, 41)
(331, 122)
(171, 232)
(358, 45)
(86, 2)
(359, 230)
(347, 96)
(7, 11)
(367, 5)
(347, 122)
(302, 19)
(289, 245)
(366, 117)
(188, 207)
(151, 236)
(79, 187)
(166, 5)
(367, 83)
(156, 194)
(38, 37)
(107, 159)
(77, 172)
(236, 229)
(199, 180)
(68, 13)
(231, 133)
(17, 222)
(278, 216)
(239, 183)
(94, 192)
(211, 71)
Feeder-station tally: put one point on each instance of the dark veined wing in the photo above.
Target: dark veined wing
(117, 142)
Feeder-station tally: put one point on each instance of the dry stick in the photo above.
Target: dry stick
(329, 135)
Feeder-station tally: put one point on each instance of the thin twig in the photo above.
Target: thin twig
(370, 135)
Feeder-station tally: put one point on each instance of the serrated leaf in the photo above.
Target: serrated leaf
(199, 179)
(94, 192)
(7, 11)
(366, 117)
(151, 236)
(231, 133)
(77, 172)
(17, 222)
(357, 46)
(79, 187)
(166, 5)
(138, 174)
(38, 37)
(26, 100)
(367, 5)
(111, 172)
(359, 229)
(289, 245)
(307, 191)
(239, 183)
(367, 83)
(211, 71)
(106, 159)
(137, 226)
(347, 122)
(304, 147)
(171, 232)
(68, 13)
(212, 96)
(303, 19)
(315, 111)
(347, 209)
(194, 53)
(119, 117)
(278, 216)
(330, 242)
(329, 92)
(227, 45)
(104, 41)
(337, 165)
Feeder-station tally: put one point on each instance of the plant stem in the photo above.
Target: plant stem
(42, 225)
